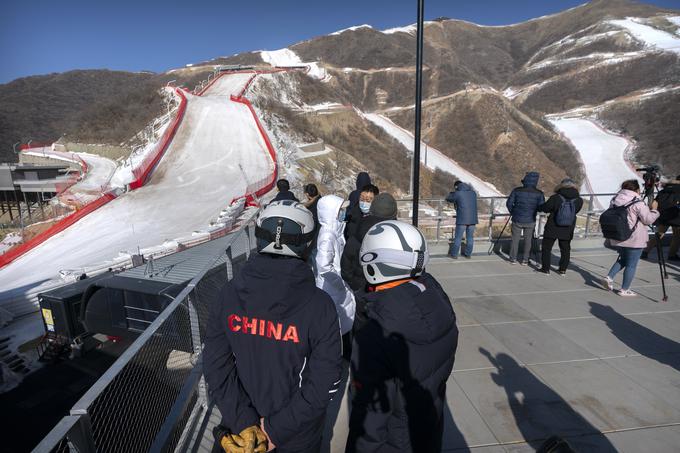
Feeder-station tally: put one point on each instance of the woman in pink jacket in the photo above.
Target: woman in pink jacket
(639, 217)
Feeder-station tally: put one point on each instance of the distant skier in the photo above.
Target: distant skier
(272, 355)
(404, 347)
(464, 200)
(283, 186)
(562, 207)
(523, 205)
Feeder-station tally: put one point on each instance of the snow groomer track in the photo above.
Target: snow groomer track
(219, 152)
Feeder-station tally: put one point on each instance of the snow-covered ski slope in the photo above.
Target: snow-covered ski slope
(603, 155)
(433, 158)
(216, 153)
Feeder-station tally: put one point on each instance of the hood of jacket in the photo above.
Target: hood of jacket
(624, 196)
(327, 209)
(363, 179)
(274, 285)
(420, 316)
(464, 187)
(569, 192)
(531, 179)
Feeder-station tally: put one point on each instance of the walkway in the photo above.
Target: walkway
(540, 355)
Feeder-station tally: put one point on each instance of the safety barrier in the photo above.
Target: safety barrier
(58, 227)
(439, 219)
(143, 171)
(153, 395)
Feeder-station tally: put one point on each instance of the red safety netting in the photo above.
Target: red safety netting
(58, 227)
(143, 171)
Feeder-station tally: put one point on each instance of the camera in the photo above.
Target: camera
(651, 176)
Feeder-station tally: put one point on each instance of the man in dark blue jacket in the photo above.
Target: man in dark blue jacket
(283, 186)
(404, 347)
(464, 199)
(523, 205)
(272, 355)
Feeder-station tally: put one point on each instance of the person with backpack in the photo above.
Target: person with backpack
(522, 205)
(624, 225)
(404, 347)
(273, 356)
(464, 199)
(562, 208)
(668, 200)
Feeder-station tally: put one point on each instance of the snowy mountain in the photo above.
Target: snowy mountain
(487, 92)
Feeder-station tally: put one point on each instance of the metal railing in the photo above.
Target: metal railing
(437, 217)
(155, 390)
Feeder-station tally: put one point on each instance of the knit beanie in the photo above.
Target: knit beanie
(384, 206)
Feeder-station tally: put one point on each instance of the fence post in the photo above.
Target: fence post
(589, 214)
(248, 242)
(439, 218)
(230, 269)
(491, 211)
(80, 438)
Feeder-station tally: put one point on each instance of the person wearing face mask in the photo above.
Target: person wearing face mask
(360, 210)
(330, 245)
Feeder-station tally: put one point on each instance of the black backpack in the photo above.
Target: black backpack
(614, 222)
(566, 213)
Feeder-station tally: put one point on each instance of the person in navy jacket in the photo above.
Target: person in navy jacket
(272, 356)
(523, 205)
(464, 200)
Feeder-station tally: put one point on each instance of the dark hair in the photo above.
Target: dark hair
(283, 185)
(370, 188)
(631, 184)
(311, 190)
(457, 183)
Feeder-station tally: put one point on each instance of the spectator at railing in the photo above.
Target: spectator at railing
(361, 209)
(630, 249)
(523, 205)
(363, 179)
(283, 186)
(669, 208)
(464, 199)
(562, 208)
(312, 194)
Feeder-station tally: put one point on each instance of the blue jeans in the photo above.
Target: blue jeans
(628, 260)
(469, 231)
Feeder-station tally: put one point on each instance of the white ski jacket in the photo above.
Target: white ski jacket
(329, 246)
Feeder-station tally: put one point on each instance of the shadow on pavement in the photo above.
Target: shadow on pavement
(539, 411)
(638, 337)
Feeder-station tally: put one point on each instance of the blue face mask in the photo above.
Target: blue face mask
(341, 215)
(365, 206)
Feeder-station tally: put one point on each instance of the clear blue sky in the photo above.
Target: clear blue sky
(43, 36)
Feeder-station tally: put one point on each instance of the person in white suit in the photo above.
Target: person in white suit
(329, 246)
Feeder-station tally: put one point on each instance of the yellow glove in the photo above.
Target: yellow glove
(250, 440)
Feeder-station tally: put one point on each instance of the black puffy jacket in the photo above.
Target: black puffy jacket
(669, 204)
(524, 201)
(552, 230)
(402, 355)
(273, 350)
(350, 266)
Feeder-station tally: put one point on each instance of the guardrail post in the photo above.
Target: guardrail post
(439, 218)
(80, 437)
(196, 342)
(247, 242)
(230, 268)
(589, 214)
(492, 204)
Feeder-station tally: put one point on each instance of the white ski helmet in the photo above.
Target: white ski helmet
(393, 250)
(284, 227)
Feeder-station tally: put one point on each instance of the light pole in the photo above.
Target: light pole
(419, 97)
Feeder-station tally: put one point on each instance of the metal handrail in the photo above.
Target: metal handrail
(76, 428)
(497, 210)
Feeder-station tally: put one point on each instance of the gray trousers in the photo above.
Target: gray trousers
(518, 230)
